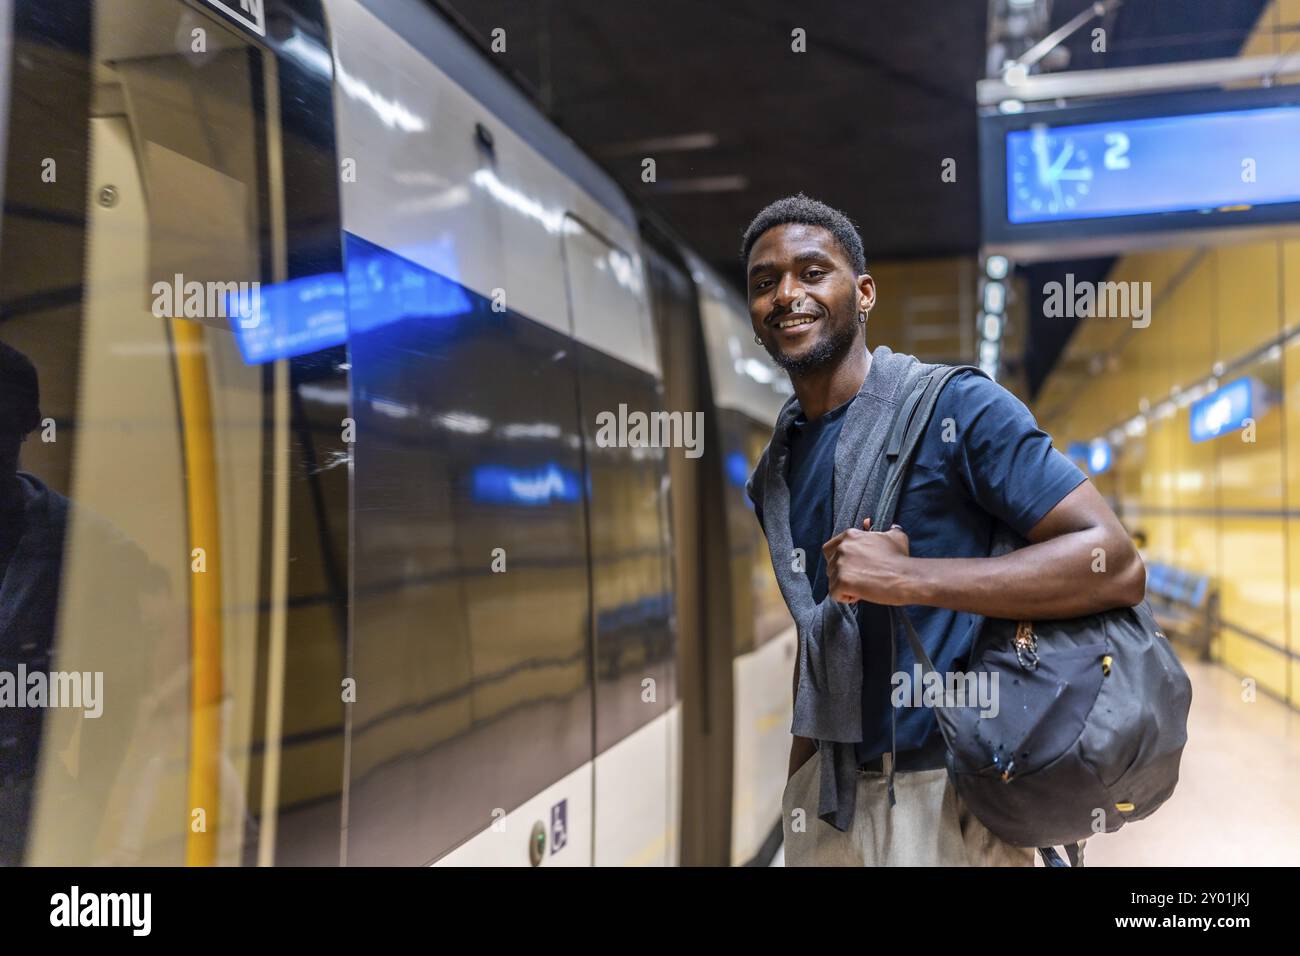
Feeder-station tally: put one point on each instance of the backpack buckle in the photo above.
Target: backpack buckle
(1026, 645)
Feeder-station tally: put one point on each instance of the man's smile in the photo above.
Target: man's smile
(795, 324)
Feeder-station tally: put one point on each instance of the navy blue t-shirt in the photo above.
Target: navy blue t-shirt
(997, 463)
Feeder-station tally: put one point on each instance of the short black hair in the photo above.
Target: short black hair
(808, 212)
(20, 397)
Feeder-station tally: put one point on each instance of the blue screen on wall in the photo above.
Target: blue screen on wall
(1223, 410)
(1132, 167)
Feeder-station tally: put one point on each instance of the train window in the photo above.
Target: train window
(150, 513)
(607, 296)
(630, 592)
(631, 589)
(470, 601)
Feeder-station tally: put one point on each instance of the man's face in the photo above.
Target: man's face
(804, 297)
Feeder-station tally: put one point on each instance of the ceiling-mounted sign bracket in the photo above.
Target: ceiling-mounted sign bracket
(248, 13)
(1137, 80)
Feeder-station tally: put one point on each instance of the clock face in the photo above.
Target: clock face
(1054, 176)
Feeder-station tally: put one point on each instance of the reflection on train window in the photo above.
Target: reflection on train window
(144, 462)
(753, 581)
(471, 568)
(630, 587)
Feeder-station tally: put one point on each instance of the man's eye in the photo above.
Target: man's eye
(814, 273)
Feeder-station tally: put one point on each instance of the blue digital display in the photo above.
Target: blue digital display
(738, 468)
(317, 312)
(294, 318)
(1099, 456)
(384, 287)
(1223, 410)
(506, 485)
(1136, 167)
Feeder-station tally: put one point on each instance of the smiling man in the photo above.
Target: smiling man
(981, 461)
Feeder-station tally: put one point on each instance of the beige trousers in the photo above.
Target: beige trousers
(928, 825)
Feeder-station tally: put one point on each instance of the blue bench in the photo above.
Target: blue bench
(1186, 605)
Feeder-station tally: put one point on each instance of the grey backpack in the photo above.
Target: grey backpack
(1092, 715)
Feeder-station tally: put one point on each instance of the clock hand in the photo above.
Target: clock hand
(1061, 160)
(1039, 145)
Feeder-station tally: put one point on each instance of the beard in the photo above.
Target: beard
(828, 350)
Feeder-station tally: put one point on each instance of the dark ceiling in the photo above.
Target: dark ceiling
(1146, 32)
(863, 120)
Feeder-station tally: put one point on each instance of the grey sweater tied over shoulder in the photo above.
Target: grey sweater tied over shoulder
(828, 703)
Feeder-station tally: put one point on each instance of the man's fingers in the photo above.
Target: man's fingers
(900, 538)
(832, 544)
(866, 524)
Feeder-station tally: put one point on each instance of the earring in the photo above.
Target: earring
(862, 318)
(757, 340)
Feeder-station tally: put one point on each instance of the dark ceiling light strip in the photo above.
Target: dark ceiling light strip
(466, 29)
(681, 143)
(702, 184)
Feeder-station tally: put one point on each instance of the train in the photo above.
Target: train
(331, 528)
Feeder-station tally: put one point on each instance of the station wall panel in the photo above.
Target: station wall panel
(1220, 507)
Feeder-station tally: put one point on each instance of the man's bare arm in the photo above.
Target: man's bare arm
(1079, 561)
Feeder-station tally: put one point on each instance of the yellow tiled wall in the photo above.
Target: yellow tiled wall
(1228, 507)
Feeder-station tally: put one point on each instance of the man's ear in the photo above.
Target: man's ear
(866, 292)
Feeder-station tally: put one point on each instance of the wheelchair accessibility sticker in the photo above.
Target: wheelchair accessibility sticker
(559, 826)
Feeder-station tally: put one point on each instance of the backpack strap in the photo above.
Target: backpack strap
(1073, 850)
(910, 422)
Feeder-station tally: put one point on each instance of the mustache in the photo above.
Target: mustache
(802, 306)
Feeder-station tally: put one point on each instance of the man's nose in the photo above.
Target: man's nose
(789, 291)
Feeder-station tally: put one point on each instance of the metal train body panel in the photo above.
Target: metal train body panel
(762, 741)
(501, 222)
(485, 220)
(748, 392)
(487, 217)
(419, 504)
(745, 380)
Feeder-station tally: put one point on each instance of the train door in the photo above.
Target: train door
(472, 733)
(172, 553)
(634, 652)
(700, 562)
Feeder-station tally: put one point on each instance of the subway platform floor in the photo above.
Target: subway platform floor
(1238, 796)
